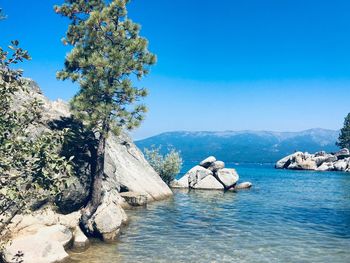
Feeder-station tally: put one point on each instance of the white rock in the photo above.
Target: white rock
(70, 220)
(196, 174)
(207, 162)
(302, 164)
(181, 183)
(341, 165)
(107, 219)
(129, 168)
(228, 177)
(35, 250)
(285, 162)
(325, 167)
(81, 242)
(209, 183)
(39, 244)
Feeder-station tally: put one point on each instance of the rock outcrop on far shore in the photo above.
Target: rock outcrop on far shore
(210, 174)
(320, 161)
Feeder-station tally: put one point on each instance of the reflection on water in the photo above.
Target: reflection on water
(288, 216)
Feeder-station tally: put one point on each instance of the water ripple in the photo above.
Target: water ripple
(289, 216)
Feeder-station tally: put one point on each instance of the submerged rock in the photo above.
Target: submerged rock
(134, 199)
(80, 242)
(244, 185)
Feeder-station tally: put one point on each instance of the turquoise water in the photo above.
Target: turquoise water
(288, 216)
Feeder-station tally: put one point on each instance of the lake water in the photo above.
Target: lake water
(288, 216)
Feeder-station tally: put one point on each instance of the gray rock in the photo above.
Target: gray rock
(208, 183)
(341, 165)
(326, 167)
(196, 174)
(228, 177)
(108, 219)
(128, 168)
(343, 153)
(320, 153)
(286, 161)
(34, 250)
(39, 244)
(81, 242)
(134, 199)
(207, 162)
(181, 183)
(245, 185)
(217, 165)
(302, 164)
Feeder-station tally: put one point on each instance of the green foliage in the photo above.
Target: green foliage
(344, 137)
(167, 166)
(108, 56)
(31, 168)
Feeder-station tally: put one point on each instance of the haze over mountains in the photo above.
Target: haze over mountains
(243, 146)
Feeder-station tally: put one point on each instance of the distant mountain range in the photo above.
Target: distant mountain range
(243, 146)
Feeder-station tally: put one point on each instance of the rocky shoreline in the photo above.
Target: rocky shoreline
(45, 235)
(210, 174)
(320, 161)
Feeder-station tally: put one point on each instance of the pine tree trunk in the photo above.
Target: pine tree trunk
(96, 194)
(96, 191)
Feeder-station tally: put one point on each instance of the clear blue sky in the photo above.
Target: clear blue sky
(222, 65)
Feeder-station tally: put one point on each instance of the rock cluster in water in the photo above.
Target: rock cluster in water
(320, 161)
(210, 174)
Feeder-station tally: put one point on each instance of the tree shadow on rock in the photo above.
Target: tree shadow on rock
(80, 143)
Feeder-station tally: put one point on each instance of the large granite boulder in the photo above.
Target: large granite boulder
(286, 161)
(41, 236)
(192, 177)
(341, 165)
(208, 183)
(130, 170)
(227, 177)
(34, 249)
(326, 166)
(108, 219)
(196, 174)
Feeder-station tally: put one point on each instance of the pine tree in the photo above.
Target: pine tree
(344, 137)
(107, 58)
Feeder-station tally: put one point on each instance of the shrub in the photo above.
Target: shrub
(167, 165)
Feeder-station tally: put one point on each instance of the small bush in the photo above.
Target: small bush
(168, 165)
